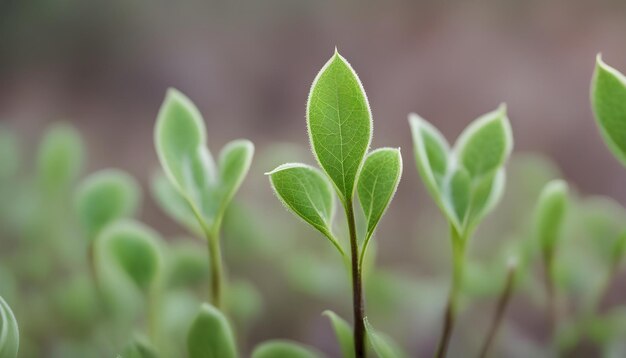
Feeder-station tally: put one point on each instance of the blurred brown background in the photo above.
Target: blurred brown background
(248, 65)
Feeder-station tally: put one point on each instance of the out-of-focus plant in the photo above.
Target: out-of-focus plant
(466, 183)
(9, 332)
(339, 123)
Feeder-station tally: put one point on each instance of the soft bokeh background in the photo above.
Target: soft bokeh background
(104, 67)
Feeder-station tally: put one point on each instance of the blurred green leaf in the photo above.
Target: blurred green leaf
(174, 204)
(245, 301)
(60, 158)
(343, 332)
(139, 347)
(377, 184)
(210, 335)
(306, 192)
(339, 123)
(550, 213)
(608, 100)
(9, 332)
(187, 264)
(134, 249)
(104, 197)
(283, 349)
(383, 346)
(234, 163)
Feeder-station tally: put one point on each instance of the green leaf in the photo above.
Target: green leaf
(210, 335)
(339, 123)
(306, 191)
(234, 162)
(459, 194)
(9, 332)
(550, 214)
(608, 99)
(104, 197)
(187, 264)
(343, 332)
(619, 248)
(174, 204)
(132, 248)
(377, 184)
(382, 345)
(431, 154)
(139, 347)
(487, 192)
(283, 349)
(60, 158)
(485, 144)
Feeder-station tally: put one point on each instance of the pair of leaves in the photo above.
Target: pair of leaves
(550, 214)
(9, 332)
(211, 336)
(104, 197)
(381, 344)
(130, 248)
(467, 181)
(181, 144)
(608, 100)
(340, 130)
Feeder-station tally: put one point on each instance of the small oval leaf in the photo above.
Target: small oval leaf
(60, 157)
(234, 163)
(306, 191)
(105, 196)
(431, 153)
(210, 335)
(134, 249)
(283, 349)
(9, 332)
(139, 347)
(343, 332)
(550, 214)
(608, 99)
(485, 144)
(383, 346)
(339, 123)
(174, 204)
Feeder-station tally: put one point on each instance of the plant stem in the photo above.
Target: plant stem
(357, 287)
(215, 256)
(153, 315)
(458, 253)
(550, 292)
(500, 308)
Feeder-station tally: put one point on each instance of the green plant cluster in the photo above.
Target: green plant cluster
(82, 276)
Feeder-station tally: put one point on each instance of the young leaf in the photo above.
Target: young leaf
(283, 349)
(9, 332)
(187, 264)
(174, 204)
(306, 192)
(104, 197)
(459, 194)
(134, 249)
(180, 140)
(377, 184)
(210, 335)
(60, 157)
(486, 193)
(382, 345)
(343, 332)
(550, 213)
(234, 162)
(139, 347)
(485, 144)
(431, 154)
(339, 123)
(608, 99)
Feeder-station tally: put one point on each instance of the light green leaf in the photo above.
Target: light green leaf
(283, 349)
(174, 204)
(132, 248)
(382, 345)
(431, 154)
(60, 157)
(487, 192)
(105, 196)
(187, 264)
(459, 194)
(377, 184)
(608, 99)
(234, 162)
(210, 335)
(343, 332)
(139, 347)
(485, 144)
(550, 214)
(9, 332)
(339, 123)
(619, 248)
(306, 192)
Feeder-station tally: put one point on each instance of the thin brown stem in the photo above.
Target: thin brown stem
(503, 302)
(458, 248)
(357, 287)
